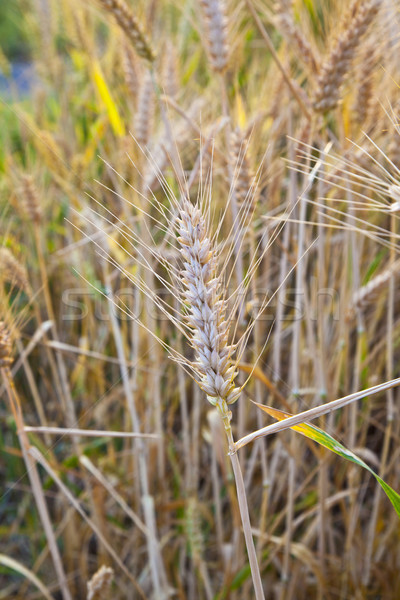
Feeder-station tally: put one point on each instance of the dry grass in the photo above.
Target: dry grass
(266, 141)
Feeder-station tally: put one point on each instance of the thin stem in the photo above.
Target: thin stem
(225, 413)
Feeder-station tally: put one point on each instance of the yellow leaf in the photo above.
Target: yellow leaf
(240, 112)
(105, 95)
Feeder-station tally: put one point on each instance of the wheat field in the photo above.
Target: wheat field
(199, 225)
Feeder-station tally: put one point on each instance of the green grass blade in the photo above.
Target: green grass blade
(327, 441)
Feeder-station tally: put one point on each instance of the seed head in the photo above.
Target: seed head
(205, 307)
(5, 346)
(130, 26)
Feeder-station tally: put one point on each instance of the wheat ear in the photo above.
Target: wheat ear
(216, 33)
(145, 110)
(206, 310)
(131, 27)
(243, 182)
(293, 34)
(366, 292)
(362, 103)
(337, 66)
(5, 346)
(98, 587)
(12, 272)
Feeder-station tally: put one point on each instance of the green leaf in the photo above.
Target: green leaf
(324, 439)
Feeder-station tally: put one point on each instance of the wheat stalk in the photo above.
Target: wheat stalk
(205, 309)
(31, 467)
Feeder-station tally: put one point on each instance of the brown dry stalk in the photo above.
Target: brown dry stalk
(216, 33)
(31, 468)
(293, 34)
(131, 27)
(337, 66)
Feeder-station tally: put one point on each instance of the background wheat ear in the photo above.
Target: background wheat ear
(99, 587)
(215, 23)
(13, 272)
(130, 26)
(5, 346)
(337, 66)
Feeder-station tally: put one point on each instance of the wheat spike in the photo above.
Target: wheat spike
(364, 93)
(293, 34)
(145, 110)
(205, 307)
(242, 177)
(12, 272)
(30, 199)
(368, 291)
(98, 587)
(130, 71)
(170, 71)
(5, 346)
(337, 66)
(216, 32)
(131, 27)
